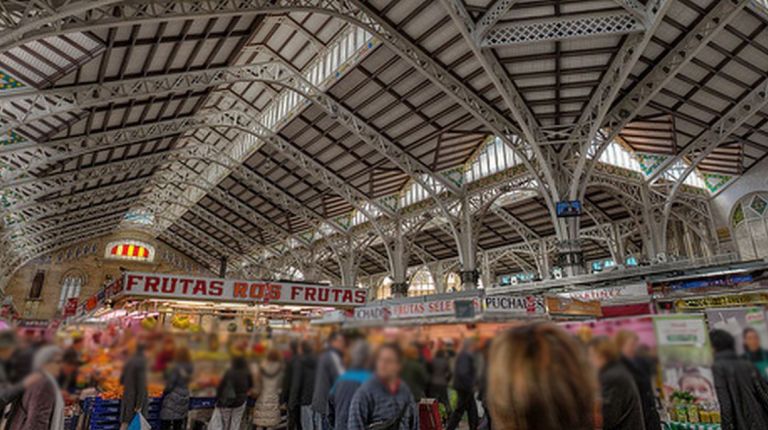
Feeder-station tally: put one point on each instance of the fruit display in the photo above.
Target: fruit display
(181, 322)
(149, 323)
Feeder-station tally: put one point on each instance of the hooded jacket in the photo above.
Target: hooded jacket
(269, 377)
(176, 393)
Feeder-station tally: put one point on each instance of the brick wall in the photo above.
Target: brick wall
(88, 260)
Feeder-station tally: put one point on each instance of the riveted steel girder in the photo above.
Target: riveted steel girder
(499, 76)
(491, 16)
(74, 200)
(593, 114)
(721, 15)
(32, 188)
(43, 223)
(355, 11)
(562, 28)
(708, 141)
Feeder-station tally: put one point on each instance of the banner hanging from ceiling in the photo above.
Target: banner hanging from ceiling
(182, 287)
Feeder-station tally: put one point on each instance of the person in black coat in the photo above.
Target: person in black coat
(294, 415)
(465, 382)
(621, 405)
(232, 393)
(303, 385)
(642, 372)
(440, 376)
(742, 393)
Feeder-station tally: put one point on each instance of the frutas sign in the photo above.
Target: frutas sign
(158, 285)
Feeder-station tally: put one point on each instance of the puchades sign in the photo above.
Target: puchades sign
(168, 286)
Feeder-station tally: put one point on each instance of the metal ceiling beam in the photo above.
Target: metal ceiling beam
(491, 16)
(74, 200)
(103, 225)
(35, 188)
(31, 239)
(355, 11)
(647, 88)
(562, 28)
(624, 61)
(42, 223)
(71, 225)
(634, 7)
(517, 105)
(711, 138)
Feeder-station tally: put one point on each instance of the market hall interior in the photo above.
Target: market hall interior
(355, 214)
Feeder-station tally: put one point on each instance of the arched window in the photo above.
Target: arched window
(384, 291)
(71, 285)
(130, 250)
(749, 221)
(422, 283)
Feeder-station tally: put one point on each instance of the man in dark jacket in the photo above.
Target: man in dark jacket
(642, 371)
(465, 382)
(742, 393)
(384, 401)
(302, 385)
(621, 406)
(440, 377)
(346, 386)
(134, 381)
(285, 394)
(329, 367)
(13, 379)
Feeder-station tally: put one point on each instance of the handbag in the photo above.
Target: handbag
(391, 424)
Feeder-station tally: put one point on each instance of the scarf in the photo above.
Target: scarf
(57, 419)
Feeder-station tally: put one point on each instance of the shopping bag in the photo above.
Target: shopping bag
(429, 415)
(215, 423)
(139, 423)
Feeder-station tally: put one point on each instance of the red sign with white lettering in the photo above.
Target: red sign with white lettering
(70, 307)
(160, 285)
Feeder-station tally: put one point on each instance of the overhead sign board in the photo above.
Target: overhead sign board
(182, 287)
(573, 307)
(632, 293)
(515, 305)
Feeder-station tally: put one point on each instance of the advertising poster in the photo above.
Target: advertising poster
(744, 324)
(685, 359)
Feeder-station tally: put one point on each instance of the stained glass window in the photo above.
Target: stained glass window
(130, 250)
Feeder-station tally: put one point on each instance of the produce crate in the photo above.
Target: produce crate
(105, 414)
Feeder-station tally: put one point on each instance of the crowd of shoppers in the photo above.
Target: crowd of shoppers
(536, 376)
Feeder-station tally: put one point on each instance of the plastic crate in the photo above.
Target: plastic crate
(202, 403)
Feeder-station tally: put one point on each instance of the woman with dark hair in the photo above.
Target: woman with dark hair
(742, 393)
(175, 405)
(232, 394)
(621, 405)
(754, 352)
(539, 378)
(642, 370)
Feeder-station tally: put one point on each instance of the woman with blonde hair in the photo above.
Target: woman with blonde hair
(539, 379)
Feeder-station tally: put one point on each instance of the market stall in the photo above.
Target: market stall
(214, 318)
